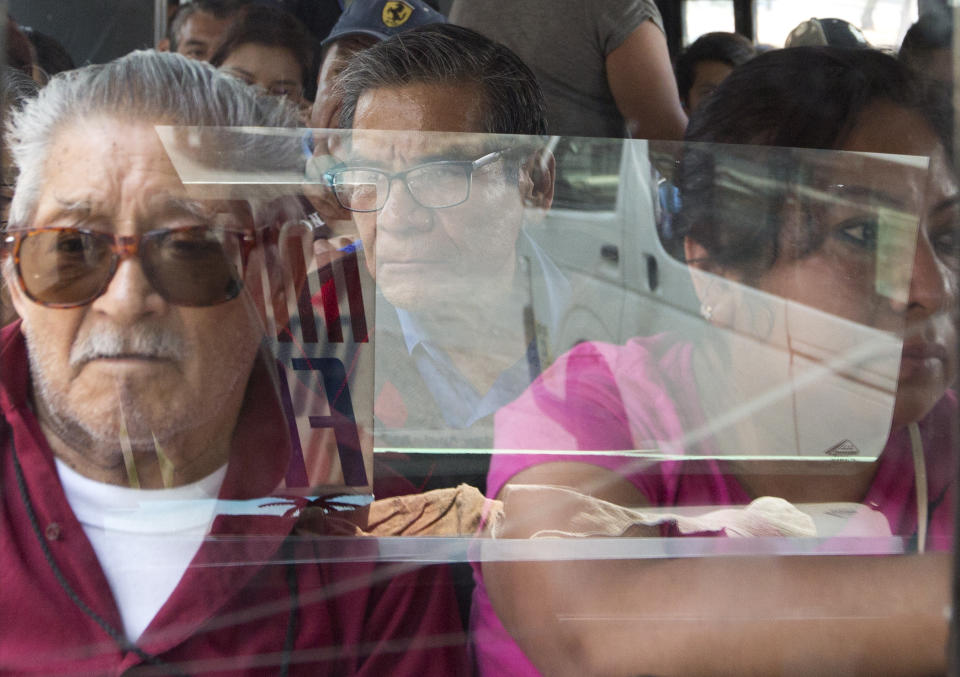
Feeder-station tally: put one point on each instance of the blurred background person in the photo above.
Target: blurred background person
(197, 28)
(703, 65)
(270, 48)
(604, 66)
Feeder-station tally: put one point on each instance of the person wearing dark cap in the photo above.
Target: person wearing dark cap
(826, 32)
(604, 66)
(363, 23)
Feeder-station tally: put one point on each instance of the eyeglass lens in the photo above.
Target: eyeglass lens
(433, 186)
(189, 267)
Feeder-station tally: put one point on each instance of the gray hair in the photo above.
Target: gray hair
(445, 53)
(151, 87)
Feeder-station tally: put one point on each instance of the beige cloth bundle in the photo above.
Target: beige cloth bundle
(586, 516)
(459, 511)
(464, 511)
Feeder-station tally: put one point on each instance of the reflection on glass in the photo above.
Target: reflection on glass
(732, 319)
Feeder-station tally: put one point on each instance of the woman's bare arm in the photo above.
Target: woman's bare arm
(751, 615)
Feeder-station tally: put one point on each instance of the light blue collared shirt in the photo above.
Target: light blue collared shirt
(460, 403)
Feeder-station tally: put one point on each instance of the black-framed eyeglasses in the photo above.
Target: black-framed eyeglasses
(69, 267)
(433, 185)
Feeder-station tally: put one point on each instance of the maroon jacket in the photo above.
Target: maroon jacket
(255, 598)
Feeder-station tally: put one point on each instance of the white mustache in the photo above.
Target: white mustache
(140, 341)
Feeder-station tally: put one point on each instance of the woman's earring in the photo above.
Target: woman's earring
(706, 311)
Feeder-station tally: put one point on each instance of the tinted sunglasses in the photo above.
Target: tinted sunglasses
(69, 267)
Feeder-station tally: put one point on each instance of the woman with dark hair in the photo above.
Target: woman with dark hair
(270, 48)
(790, 252)
(809, 97)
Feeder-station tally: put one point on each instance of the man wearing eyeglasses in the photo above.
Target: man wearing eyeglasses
(440, 183)
(141, 426)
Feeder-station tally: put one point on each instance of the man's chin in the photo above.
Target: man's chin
(130, 429)
(422, 287)
(414, 298)
(130, 411)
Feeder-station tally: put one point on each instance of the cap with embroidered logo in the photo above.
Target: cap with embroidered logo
(381, 19)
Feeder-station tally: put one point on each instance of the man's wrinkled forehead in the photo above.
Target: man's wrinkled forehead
(111, 168)
(98, 156)
(160, 207)
(404, 148)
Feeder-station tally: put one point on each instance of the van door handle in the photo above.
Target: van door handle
(610, 252)
(653, 272)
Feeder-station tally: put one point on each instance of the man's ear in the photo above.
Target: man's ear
(537, 175)
(163, 45)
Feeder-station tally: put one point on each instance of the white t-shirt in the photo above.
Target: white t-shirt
(144, 538)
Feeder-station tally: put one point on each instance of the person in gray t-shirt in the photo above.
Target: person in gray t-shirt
(604, 66)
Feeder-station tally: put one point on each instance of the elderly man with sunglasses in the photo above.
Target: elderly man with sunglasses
(141, 424)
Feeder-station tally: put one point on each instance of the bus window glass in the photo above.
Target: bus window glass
(435, 388)
(706, 16)
(883, 22)
(589, 173)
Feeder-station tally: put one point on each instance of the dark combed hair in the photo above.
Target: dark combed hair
(730, 48)
(221, 9)
(273, 27)
(445, 53)
(802, 97)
